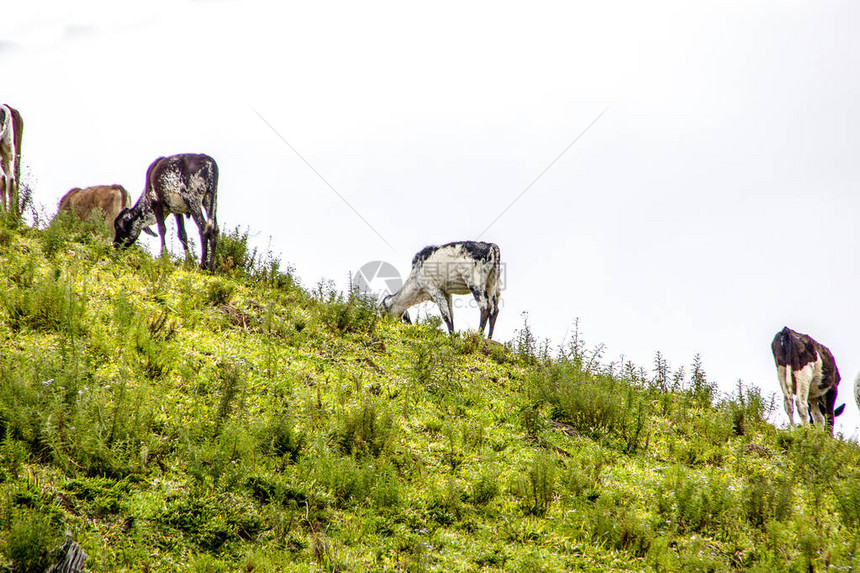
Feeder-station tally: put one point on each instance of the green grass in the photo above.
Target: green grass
(175, 420)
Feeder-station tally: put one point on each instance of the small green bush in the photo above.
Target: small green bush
(279, 437)
(353, 313)
(598, 405)
(365, 430)
(485, 488)
(767, 498)
(49, 303)
(747, 409)
(696, 503)
(613, 522)
(31, 538)
(847, 493)
(219, 292)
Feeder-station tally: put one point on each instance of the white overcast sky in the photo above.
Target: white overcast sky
(714, 201)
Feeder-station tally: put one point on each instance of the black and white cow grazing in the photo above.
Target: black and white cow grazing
(467, 267)
(184, 184)
(808, 376)
(11, 134)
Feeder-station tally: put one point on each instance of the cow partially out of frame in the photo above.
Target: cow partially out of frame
(184, 184)
(11, 134)
(808, 376)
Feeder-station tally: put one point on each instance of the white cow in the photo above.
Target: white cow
(467, 267)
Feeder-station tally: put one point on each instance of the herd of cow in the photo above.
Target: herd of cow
(186, 185)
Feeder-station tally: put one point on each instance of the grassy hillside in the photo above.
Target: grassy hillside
(174, 420)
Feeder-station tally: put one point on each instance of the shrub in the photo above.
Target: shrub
(747, 409)
(536, 490)
(235, 257)
(766, 498)
(280, 437)
(233, 254)
(66, 228)
(210, 520)
(353, 313)
(540, 490)
(597, 405)
(699, 504)
(584, 477)
(700, 389)
(219, 292)
(48, 303)
(615, 523)
(32, 537)
(233, 385)
(365, 430)
(485, 488)
(348, 479)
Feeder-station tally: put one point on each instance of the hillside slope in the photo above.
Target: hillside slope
(174, 420)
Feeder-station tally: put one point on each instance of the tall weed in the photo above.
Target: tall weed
(598, 405)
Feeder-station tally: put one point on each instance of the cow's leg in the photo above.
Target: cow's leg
(804, 378)
(785, 382)
(815, 410)
(483, 304)
(211, 225)
(212, 231)
(494, 313)
(442, 301)
(3, 186)
(203, 228)
(180, 230)
(162, 227)
(5, 178)
(6, 156)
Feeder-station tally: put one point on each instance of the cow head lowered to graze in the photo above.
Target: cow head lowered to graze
(107, 200)
(808, 376)
(184, 184)
(466, 267)
(11, 134)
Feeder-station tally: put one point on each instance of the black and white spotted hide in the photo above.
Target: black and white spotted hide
(184, 185)
(466, 267)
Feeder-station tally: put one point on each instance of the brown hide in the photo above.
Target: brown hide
(108, 200)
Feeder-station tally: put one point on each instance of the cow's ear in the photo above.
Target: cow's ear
(150, 232)
(838, 410)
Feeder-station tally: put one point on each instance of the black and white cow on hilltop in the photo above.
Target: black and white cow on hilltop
(808, 376)
(466, 267)
(184, 184)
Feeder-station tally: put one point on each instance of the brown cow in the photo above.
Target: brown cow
(11, 132)
(184, 184)
(108, 200)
